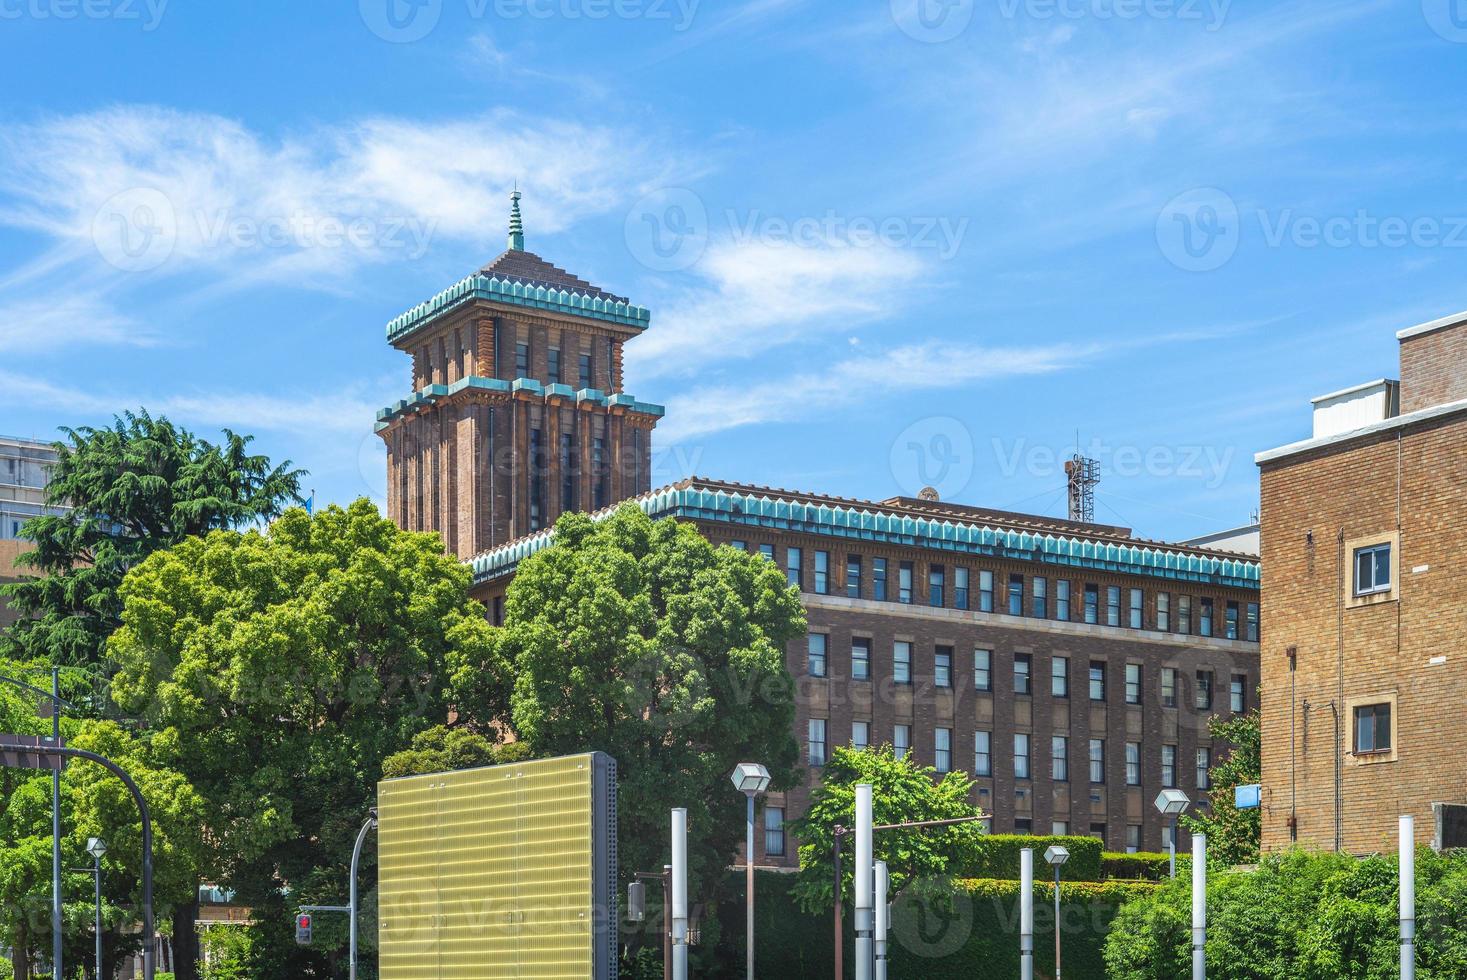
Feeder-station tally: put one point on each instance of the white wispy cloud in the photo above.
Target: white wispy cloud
(35, 325)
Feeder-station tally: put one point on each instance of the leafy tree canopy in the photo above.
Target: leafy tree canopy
(278, 669)
(642, 640)
(444, 749)
(140, 486)
(902, 792)
(1233, 835)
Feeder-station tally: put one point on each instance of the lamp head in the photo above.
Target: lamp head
(1172, 802)
(96, 847)
(750, 777)
(1056, 855)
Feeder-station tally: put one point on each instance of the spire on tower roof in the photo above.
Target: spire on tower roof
(516, 226)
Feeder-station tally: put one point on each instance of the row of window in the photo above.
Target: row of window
(1059, 754)
(554, 373)
(1027, 596)
(817, 664)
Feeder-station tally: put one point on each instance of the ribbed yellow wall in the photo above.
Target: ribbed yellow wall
(487, 873)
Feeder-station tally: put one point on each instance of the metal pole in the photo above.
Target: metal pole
(749, 884)
(840, 938)
(356, 860)
(667, 920)
(1056, 923)
(1172, 848)
(680, 894)
(883, 917)
(56, 967)
(1026, 914)
(97, 871)
(861, 871)
(1199, 907)
(1408, 898)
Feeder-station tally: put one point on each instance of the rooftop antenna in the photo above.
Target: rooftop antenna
(516, 226)
(1082, 474)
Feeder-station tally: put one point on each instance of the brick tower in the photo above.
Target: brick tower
(517, 412)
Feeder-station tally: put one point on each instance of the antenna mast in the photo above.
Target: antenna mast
(1083, 475)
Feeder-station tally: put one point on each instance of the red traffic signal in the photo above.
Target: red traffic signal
(303, 929)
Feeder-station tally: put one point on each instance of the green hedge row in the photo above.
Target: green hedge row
(1000, 857)
(1134, 867)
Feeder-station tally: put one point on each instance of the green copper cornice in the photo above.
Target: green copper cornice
(430, 395)
(496, 290)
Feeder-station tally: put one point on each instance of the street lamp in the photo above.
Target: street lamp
(751, 779)
(96, 847)
(1171, 803)
(1056, 856)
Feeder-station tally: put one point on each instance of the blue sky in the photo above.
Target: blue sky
(884, 243)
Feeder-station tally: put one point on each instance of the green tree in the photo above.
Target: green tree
(278, 670)
(140, 486)
(445, 749)
(903, 792)
(642, 640)
(1233, 835)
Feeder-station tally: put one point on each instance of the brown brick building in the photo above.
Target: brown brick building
(1365, 595)
(1069, 666)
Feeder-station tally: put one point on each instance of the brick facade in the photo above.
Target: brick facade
(1401, 484)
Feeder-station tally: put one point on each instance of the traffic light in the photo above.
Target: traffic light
(303, 929)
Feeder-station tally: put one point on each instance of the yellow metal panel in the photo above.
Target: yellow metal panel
(489, 873)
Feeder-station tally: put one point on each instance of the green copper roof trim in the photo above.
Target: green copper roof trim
(427, 396)
(494, 289)
(754, 510)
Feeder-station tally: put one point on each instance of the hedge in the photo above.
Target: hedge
(1135, 867)
(1000, 857)
(971, 934)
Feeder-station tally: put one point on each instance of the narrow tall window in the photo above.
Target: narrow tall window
(817, 741)
(860, 658)
(1204, 768)
(1133, 683)
(1039, 597)
(1016, 595)
(878, 579)
(1059, 677)
(942, 667)
(1168, 767)
(1204, 616)
(1231, 621)
(537, 480)
(943, 750)
(901, 662)
(774, 831)
(1097, 680)
(1137, 614)
(983, 753)
(1113, 605)
(853, 576)
(983, 670)
(1168, 687)
(1164, 611)
(1204, 690)
(1133, 838)
(1373, 569)
(901, 740)
(860, 735)
(767, 550)
(1252, 622)
(1059, 758)
(815, 658)
(521, 360)
(1133, 763)
(1097, 760)
(904, 582)
(1184, 615)
(585, 371)
(1062, 600)
(1021, 673)
(1238, 694)
(553, 362)
(1092, 604)
(793, 571)
(985, 591)
(569, 472)
(1021, 756)
(601, 491)
(822, 573)
(936, 579)
(960, 588)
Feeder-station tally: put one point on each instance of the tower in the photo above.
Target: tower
(517, 411)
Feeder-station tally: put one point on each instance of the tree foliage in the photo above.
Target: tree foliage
(1300, 916)
(903, 792)
(139, 486)
(445, 749)
(1233, 835)
(278, 670)
(642, 640)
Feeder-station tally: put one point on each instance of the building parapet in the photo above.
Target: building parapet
(432, 394)
(496, 290)
(1387, 425)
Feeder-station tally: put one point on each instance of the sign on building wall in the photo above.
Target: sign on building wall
(506, 871)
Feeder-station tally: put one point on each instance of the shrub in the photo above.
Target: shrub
(999, 857)
(1134, 867)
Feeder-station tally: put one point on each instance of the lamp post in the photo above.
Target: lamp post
(96, 847)
(751, 779)
(1026, 914)
(1056, 856)
(680, 894)
(1171, 803)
